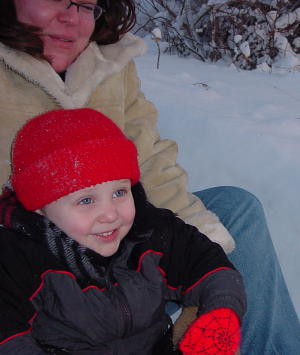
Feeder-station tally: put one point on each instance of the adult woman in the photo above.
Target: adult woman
(49, 60)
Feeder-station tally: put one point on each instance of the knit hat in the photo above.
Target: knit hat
(63, 151)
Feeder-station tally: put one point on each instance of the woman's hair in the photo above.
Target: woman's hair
(118, 18)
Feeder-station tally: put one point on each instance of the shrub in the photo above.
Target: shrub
(247, 33)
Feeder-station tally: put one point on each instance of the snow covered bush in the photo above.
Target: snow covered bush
(248, 33)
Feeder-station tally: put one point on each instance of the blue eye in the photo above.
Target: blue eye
(120, 193)
(86, 201)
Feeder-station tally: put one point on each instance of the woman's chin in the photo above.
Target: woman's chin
(59, 63)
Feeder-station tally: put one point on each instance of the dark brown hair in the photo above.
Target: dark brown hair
(117, 19)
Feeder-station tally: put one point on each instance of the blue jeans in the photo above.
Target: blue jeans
(270, 325)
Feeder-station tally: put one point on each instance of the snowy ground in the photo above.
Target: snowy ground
(236, 128)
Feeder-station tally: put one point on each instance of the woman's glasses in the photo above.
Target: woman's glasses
(85, 9)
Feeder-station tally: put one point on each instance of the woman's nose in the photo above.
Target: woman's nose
(69, 15)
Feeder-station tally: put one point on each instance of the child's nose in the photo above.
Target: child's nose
(108, 214)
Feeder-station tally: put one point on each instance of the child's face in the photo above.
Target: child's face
(97, 217)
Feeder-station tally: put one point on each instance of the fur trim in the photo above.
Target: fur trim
(209, 224)
(93, 65)
(217, 233)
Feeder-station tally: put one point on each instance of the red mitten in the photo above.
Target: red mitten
(214, 333)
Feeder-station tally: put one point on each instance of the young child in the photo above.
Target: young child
(87, 264)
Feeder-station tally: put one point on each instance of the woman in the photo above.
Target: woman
(61, 54)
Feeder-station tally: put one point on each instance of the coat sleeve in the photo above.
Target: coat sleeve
(198, 273)
(164, 180)
(16, 310)
(21, 345)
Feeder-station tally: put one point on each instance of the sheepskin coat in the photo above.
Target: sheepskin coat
(103, 78)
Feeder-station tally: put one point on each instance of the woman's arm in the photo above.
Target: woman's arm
(164, 180)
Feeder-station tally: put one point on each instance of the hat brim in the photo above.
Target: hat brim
(75, 167)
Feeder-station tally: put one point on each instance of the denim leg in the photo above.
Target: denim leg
(271, 325)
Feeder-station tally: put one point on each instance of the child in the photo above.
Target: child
(87, 264)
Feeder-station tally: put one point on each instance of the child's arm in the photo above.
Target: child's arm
(15, 331)
(21, 345)
(198, 273)
(16, 310)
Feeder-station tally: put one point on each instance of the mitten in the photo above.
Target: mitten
(216, 332)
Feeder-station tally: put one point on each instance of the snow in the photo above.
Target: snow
(239, 128)
(237, 38)
(245, 49)
(156, 32)
(288, 19)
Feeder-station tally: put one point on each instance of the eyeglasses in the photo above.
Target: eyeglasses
(85, 9)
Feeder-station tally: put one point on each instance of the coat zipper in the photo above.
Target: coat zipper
(125, 313)
(122, 301)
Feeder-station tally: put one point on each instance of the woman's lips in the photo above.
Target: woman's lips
(61, 41)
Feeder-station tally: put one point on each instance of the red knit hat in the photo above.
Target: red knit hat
(63, 151)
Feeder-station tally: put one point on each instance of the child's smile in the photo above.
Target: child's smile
(107, 237)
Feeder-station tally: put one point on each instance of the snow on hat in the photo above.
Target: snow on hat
(63, 151)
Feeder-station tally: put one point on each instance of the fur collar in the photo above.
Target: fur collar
(93, 65)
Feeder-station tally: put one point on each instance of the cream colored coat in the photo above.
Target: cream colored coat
(103, 78)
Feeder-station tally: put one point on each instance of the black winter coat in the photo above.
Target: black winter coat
(45, 307)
